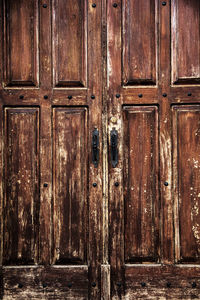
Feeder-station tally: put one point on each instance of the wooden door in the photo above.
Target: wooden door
(154, 108)
(100, 149)
(50, 104)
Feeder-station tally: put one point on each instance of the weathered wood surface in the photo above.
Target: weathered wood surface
(69, 230)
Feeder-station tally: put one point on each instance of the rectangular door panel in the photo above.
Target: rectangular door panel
(186, 162)
(185, 41)
(141, 183)
(69, 43)
(139, 42)
(70, 178)
(20, 43)
(21, 182)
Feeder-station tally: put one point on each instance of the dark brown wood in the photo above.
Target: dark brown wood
(186, 148)
(70, 230)
(141, 183)
(50, 68)
(70, 182)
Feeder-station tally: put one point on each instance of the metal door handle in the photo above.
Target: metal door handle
(114, 149)
(95, 147)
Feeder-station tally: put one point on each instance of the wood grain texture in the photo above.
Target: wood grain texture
(20, 43)
(21, 198)
(186, 158)
(141, 194)
(162, 282)
(70, 220)
(185, 41)
(69, 43)
(139, 42)
(46, 283)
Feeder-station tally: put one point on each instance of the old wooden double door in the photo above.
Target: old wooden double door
(100, 149)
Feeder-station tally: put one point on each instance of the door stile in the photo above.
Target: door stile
(45, 100)
(115, 187)
(95, 121)
(167, 241)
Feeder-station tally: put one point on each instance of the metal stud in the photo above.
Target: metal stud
(44, 5)
(20, 285)
(117, 183)
(117, 95)
(143, 284)
(45, 97)
(164, 95)
(69, 285)
(166, 183)
(44, 285)
(140, 95)
(194, 285)
(94, 184)
(115, 5)
(169, 284)
(93, 284)
(164, 3)
(70, 97)
(189, 94)
(45, 184)
(21, 97)
(93, 97)
(119, 284)
(93, 4)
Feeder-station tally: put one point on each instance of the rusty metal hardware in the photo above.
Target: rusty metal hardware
(95, 147)
(114, 150)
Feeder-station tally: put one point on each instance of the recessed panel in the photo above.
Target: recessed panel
(69, 43)
(185, 31)
(20, 43)
(21, 185)
(139, 42)
(70, 167)
(186, 174)
(141, 183)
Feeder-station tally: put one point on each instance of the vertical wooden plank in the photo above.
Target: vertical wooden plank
(186, 174)
(21, 43)
(185, 41)
(105, 282)
(116, 209)
(69, 43)
(141, 195)
(46, 134)
(21, 201)
(165, 134)
(70, 182)
(139, 42)
(95, 121)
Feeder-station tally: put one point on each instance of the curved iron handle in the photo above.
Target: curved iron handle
(95, 147)
(114, 149)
